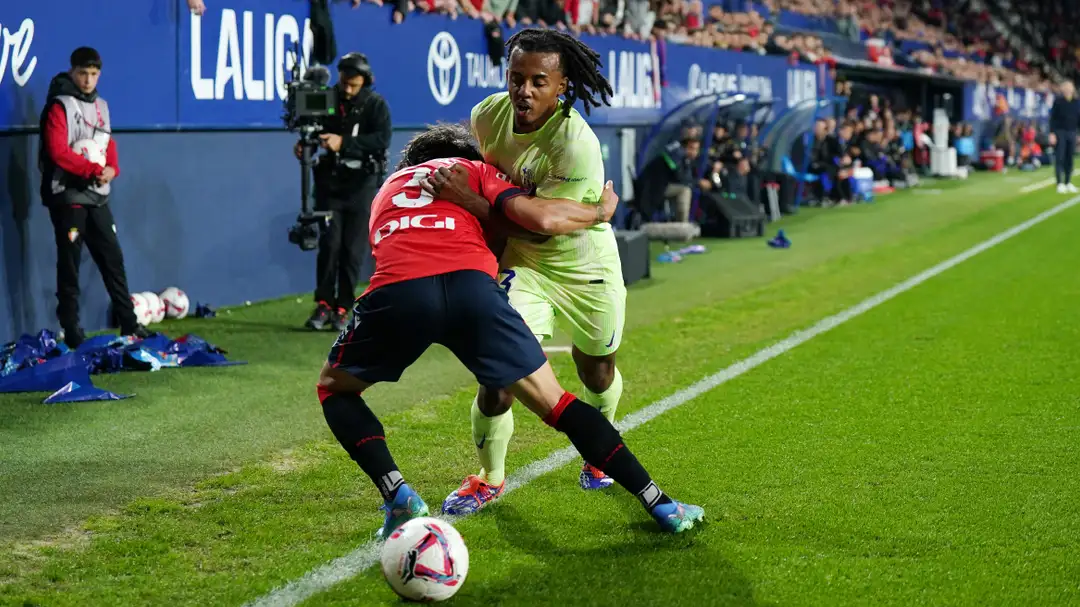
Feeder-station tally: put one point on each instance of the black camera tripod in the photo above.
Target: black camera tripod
(305, 233)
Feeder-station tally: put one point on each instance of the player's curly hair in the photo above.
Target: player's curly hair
(442, 140)
(579, 63)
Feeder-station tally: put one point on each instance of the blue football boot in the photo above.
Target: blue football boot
(676, 517)
(406, 506)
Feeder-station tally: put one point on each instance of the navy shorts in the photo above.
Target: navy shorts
(465, 311)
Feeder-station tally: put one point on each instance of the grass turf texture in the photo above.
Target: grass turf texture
(920, 452)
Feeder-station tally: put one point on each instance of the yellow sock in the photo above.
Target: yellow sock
(608, 401)
(491, 435)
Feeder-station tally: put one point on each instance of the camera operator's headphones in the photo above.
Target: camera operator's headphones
(357, 63)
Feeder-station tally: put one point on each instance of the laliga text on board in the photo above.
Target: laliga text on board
(250, 60)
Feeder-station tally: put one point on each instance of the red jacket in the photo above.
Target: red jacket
(55, 139)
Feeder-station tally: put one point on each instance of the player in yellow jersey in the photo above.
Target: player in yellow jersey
(533, 134)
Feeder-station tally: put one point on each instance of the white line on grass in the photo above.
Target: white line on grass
(364, 557)
(1038, 185)
(557, 349)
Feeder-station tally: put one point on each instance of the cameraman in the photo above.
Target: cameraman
(347, 178)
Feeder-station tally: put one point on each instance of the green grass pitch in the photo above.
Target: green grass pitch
(924, 452)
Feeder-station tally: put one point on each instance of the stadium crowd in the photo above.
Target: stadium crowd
(935, 36)
(938, 36)
(867, 132)
(1050, 26)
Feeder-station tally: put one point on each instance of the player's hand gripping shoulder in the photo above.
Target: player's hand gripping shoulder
(553, 217)
(452, 184)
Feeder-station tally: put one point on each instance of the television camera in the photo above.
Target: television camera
(309, 106)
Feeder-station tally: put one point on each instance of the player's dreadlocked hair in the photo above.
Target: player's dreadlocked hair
(579, 63)
(443, 140)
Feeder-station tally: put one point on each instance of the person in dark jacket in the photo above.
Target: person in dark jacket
(1064, 121)
(75, 186)
(831, 157)
(670, 178)
(347, 177)
(681, 191)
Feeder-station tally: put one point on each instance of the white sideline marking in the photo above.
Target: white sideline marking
(360, 559)
(557, 349)
(1038, 185)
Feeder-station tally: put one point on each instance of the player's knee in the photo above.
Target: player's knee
(337, 381)
(598, 380)
(493, 402)
(596, 372)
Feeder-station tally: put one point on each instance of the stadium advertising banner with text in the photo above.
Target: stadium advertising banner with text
(227, 69)
(137, 41)
(429, 67)
(984, 102)
(693, 71)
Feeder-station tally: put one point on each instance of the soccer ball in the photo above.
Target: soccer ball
(176, 302)
(157, 308)
(90, 150)
(425, 560)
(142, 309)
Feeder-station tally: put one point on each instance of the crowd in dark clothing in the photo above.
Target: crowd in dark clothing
(1049, 26)
(868, 134)
(735, 157)
(731, 168)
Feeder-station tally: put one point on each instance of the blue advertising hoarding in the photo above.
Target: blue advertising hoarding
(693, 71)
(429, 68)
(137, 41)
(981, 102)
(227, 69)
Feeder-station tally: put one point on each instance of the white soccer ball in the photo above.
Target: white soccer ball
(90, 150)
(425, 560)
(157, 308)
(176, 302)
(142, 309)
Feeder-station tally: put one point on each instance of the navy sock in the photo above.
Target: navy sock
(362, 436)
(597, 440)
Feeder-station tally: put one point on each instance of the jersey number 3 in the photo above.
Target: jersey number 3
(510, 274)
(402, 199)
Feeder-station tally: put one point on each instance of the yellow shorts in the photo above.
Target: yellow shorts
(594, 313)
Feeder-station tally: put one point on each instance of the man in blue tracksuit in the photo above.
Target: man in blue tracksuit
(1064, 121)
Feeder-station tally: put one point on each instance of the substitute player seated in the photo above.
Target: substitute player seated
(434, 282)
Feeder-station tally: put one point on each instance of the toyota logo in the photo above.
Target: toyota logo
(444, 68)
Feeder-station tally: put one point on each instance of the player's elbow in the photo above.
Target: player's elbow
(550, 225)
(530, 216)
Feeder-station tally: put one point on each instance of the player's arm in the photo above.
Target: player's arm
(461, 186)
(558, 216)
(571, 198)
(491, 197)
